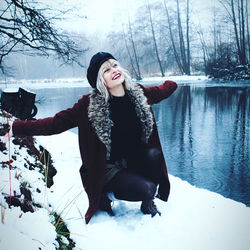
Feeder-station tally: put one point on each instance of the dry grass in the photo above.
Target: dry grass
(3, 208)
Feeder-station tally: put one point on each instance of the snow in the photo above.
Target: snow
(82, 82)
(11, 90)
(21, 230)
(31, 231)
(180, 78)
(12, 85)
(193, 218)
(45, 83)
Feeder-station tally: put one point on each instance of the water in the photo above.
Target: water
(205, 138)
(204, 131)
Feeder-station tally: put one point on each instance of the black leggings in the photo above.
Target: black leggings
(139, 180)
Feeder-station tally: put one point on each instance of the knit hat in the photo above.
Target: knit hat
(95, 63)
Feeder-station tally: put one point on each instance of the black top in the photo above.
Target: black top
(126, 132)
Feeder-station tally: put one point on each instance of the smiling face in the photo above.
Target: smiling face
(112, 75)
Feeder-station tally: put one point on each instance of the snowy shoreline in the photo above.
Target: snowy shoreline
(83, 83)
(193, 218)
(196, 80)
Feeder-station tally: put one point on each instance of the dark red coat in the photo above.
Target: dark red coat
(92, 149)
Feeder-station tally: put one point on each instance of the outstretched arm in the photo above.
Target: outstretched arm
(156, 94)
(61, 122)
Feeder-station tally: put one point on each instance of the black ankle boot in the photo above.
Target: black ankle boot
(149, 207)
(105, 205)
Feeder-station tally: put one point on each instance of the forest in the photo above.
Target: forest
(163, 37)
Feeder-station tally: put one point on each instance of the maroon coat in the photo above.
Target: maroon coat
(93, 151)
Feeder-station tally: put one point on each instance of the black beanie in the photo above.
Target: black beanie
(95, 63)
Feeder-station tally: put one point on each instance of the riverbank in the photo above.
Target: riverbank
(82, 82)
(197, 80)
(192, 218)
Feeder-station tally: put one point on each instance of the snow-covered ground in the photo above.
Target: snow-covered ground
(192, 219)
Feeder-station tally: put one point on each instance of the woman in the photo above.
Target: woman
(118, 139)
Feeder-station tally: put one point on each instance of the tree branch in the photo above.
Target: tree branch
(27, 27)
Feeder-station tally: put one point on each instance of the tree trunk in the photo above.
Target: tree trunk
(155, 44)
(236, 32)
(214, 33)
(243, 47)
(181, 40)
(248, 35)
(130, 56)
(188, 41)
(177, 59)
(204, 47)
(138, 75)
(239, 21)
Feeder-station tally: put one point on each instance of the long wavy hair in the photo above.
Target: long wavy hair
(101, 85)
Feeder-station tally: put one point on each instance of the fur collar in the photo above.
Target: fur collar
(99, 115)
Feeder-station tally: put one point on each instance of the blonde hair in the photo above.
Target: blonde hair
(101, 85)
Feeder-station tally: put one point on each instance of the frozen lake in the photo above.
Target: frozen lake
(204, 130)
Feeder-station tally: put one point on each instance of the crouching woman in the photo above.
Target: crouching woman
(119, 144)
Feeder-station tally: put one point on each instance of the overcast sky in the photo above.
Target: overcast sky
(97, 16)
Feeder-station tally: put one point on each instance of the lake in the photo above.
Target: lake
(204, 131)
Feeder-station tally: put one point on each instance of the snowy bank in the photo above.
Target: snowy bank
(82, 82)
(182, 80)
(44, 83)
(30, 229)
(193, 218)
(179, 79)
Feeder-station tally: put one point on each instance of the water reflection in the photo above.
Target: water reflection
(205, 137)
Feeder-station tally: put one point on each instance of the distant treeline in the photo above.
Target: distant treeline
(165, 36)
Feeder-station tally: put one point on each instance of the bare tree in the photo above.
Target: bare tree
(154, 40)
(28, 30)
(247, 27)
(177, 58)
(185, 53)
(243, 40)
(188, 40)
(182, 54)
(239, 18)
(215, 42)
(129, 54)
(203, 46)
(137, 71)
(131, 60)
(181, 38)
